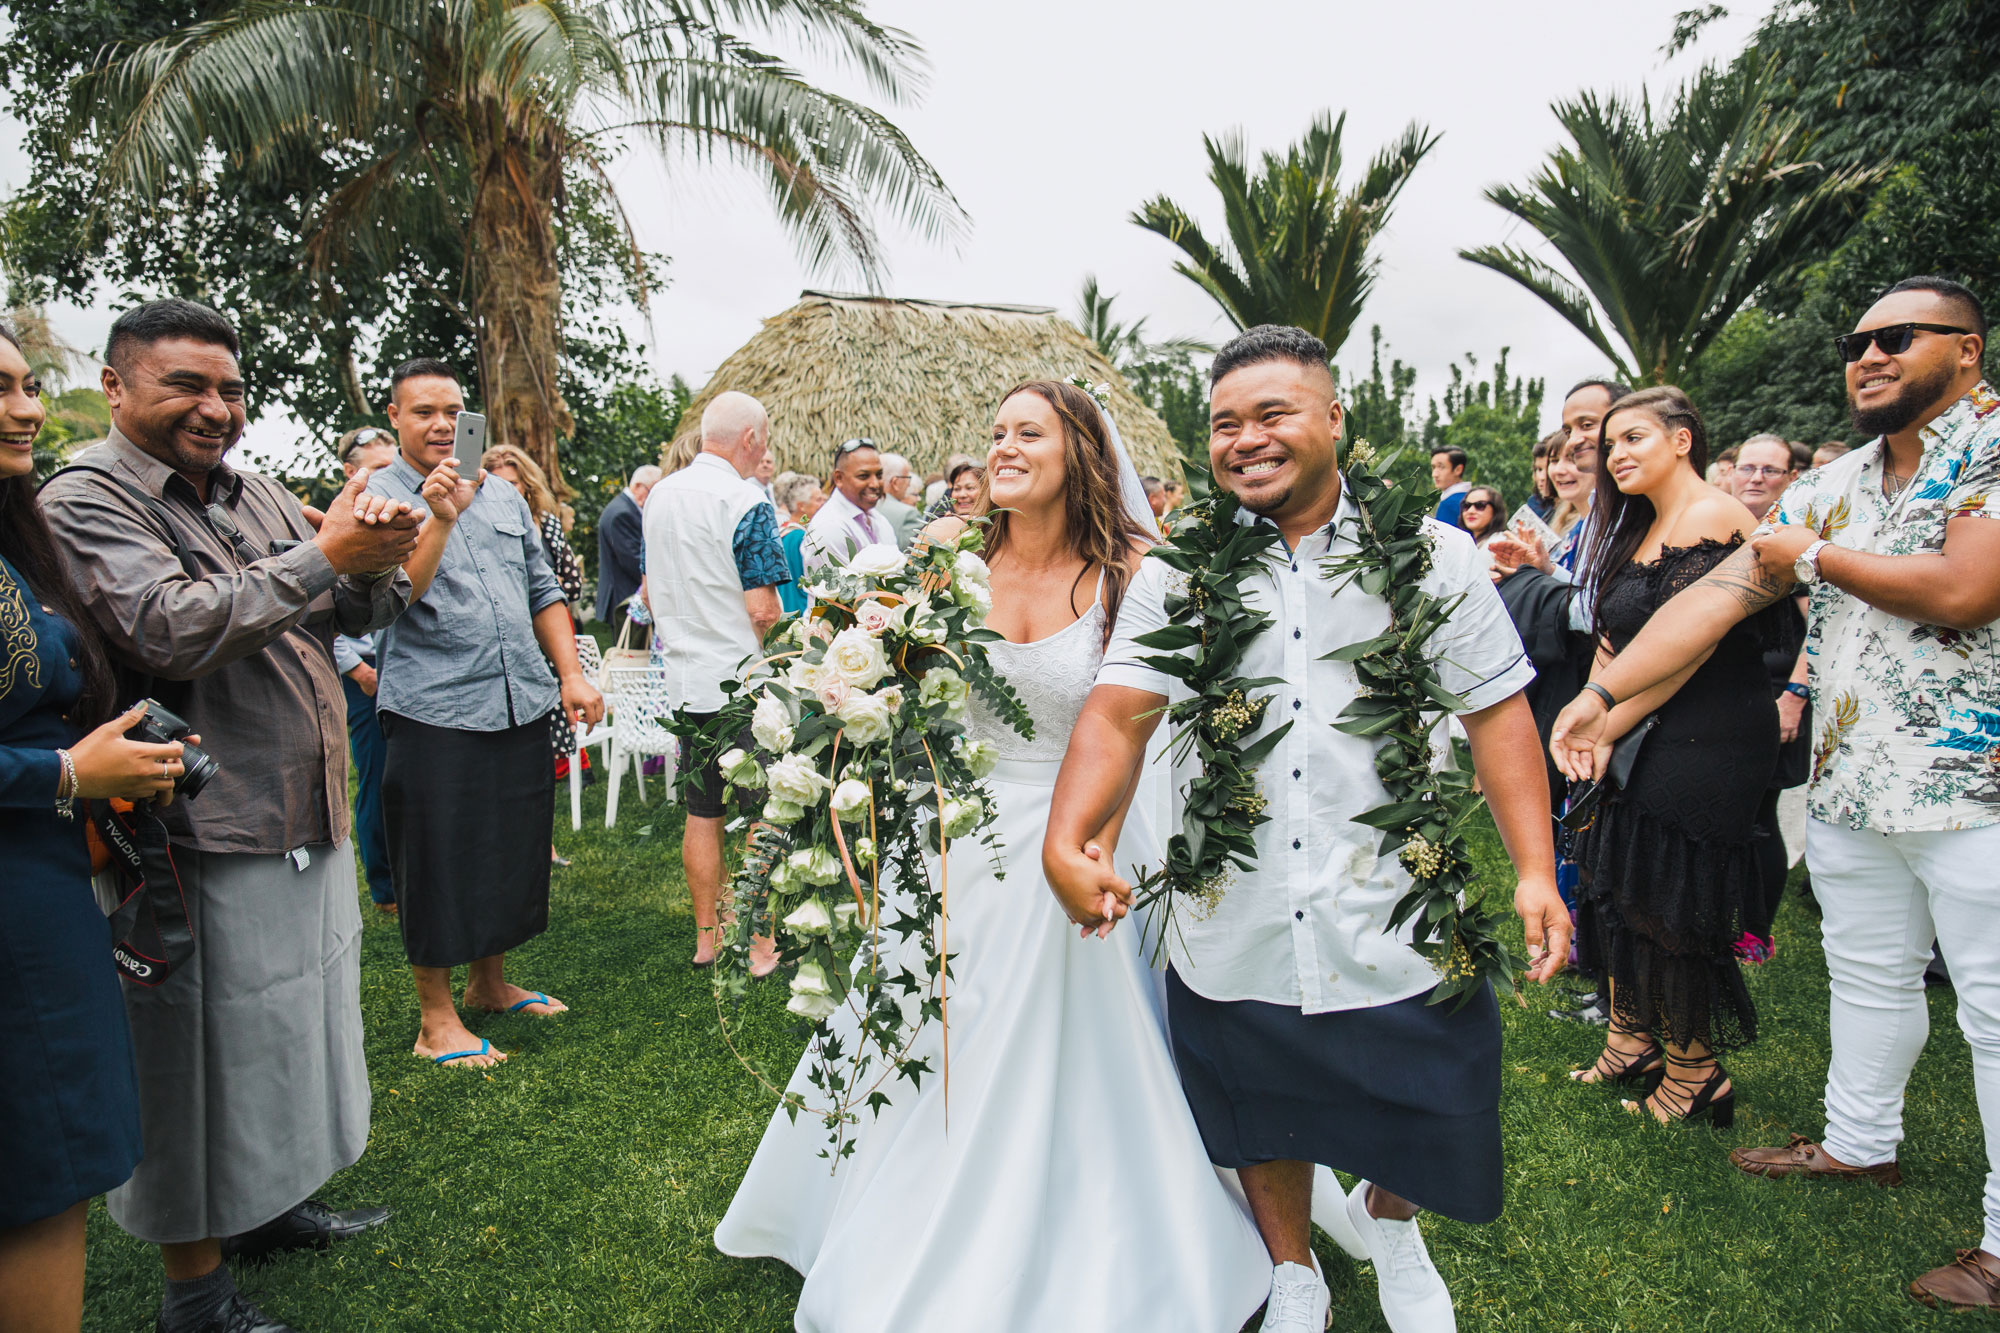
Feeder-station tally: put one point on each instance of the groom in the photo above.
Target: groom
(1299, 1025)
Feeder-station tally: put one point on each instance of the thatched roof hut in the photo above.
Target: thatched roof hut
(921, 378)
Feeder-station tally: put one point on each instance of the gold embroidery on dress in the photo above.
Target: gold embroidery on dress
(19, 648)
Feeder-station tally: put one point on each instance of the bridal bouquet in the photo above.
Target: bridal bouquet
(860, 766)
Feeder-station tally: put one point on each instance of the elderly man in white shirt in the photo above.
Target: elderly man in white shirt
(848, 520)
(712, 548)
(1299, 1020)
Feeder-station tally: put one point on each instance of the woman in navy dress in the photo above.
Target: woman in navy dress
(69, 1107)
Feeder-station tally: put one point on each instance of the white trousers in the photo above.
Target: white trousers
(1886, 896)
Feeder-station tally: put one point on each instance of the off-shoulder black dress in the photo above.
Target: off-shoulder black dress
(1668, 863)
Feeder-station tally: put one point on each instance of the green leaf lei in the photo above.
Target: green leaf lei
(1400, 704)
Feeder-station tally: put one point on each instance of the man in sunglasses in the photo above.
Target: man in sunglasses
(1898, 543)
(848, 521)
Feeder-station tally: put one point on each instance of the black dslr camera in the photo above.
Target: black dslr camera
(160, 727)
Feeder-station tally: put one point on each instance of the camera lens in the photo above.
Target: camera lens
(199, 768)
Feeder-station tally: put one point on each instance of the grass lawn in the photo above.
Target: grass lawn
(575, 1188)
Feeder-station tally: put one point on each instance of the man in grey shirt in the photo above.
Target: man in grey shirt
(252, 1086)
(465, 697)
(897, 504)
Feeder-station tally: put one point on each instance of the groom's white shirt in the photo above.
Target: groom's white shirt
(1305, 927)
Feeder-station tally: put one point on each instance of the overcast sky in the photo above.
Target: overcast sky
(1052, 120)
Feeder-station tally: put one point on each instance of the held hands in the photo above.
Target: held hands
(1090, 891)
(581, 703)
(109, 765)
(449, 494)
(1578, 742)
(365, 534)
(1547, 925)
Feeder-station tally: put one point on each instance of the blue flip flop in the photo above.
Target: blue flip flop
(485, 1047)
(536, 998)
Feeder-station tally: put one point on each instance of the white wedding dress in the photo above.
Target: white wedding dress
(1060, 1185)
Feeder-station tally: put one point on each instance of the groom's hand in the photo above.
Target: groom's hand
(1545, 919)
(1090, 891)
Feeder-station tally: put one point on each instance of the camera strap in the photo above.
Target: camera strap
(150, 928)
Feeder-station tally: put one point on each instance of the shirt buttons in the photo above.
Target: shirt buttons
(1295, 773)
(1298, 916)
(1295, 844)
(1296, 705)
(1296, 634)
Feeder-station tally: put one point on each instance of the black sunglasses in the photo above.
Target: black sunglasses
(1477, 504)
(844, 450)
(1891, 338)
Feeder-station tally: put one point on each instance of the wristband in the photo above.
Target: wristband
(1602, 693)
(1793, 687)
(66, 786)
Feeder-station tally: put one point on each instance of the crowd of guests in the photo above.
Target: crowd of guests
(1706, 633)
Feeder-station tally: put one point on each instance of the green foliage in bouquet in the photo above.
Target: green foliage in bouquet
(859, 777)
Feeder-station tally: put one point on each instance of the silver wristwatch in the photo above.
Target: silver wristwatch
(1806, 568)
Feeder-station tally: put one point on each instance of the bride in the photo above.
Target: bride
(1058, 1182)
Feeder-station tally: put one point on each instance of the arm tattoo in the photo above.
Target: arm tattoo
(1743, 578)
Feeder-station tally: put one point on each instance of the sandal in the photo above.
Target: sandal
(1645, 1067)
(1699, 1102)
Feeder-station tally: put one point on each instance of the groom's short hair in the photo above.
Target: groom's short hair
(1267, 342)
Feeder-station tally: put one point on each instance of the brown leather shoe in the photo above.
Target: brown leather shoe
(1969, 1282)
(1803, 1157)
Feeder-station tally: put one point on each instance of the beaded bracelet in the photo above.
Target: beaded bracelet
(66, 786)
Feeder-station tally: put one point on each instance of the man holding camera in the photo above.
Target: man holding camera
(219, 597)
(465, 699)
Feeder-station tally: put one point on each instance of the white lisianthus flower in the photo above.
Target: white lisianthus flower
(740, 770)
(867, 718)
(809, 918)
(815, 865)
(878, 618)
(971, 569)
(979, 756)
(944, 686)
(795, 780)
(876, 562)
(782, 813)
(857, 658)
(812, 1005)
(864, 851)
(783, 878)
(922, 626)
(845, 915)
(960, 815)
(850, 801)
(771, 724)
(976, 597)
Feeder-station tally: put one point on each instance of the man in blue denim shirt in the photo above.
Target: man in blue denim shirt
(466, 691)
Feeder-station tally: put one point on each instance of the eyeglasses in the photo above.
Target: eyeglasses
(1760, 470)
(1891, 338)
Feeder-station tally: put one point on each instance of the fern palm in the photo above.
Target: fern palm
(469, 116)
(1670, 225)
(1124, 345)
(1298, 249)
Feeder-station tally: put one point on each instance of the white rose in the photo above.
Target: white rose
(960, 815)
(857, 658)
(944, 686)
(971, 569)
(867, 718)
(891, 697)
(878, 618)
(813, 1008)
(876, 562)
(810, 918)
(979, 756)
(771, 724)
(815, 865)
(740, 770)
(850, 801)
(796, 780)
(833, 692)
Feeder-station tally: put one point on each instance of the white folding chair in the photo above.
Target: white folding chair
(592, 663)
(637, 732)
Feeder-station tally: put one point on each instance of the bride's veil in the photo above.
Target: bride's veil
(1131, 491)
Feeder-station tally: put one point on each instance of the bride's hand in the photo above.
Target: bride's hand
(1091, 893)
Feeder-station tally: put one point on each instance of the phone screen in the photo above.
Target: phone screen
(469, 441)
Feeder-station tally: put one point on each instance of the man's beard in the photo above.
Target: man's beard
(1918, 396)
(1268, 505)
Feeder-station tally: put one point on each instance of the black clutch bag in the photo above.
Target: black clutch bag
(1617, 772)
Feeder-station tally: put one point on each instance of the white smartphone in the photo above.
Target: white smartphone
(468, 442)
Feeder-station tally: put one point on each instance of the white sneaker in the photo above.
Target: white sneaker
(1329, 1214)
(1300, 1302)
(1414, 1297)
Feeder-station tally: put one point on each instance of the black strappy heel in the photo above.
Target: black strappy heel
(1702, 1104)
(1645, 1068)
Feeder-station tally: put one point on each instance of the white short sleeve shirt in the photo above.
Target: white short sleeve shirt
(1306, 927)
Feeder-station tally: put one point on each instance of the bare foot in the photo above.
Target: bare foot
(763, 956)
(449, 1037)
(504, 1000)
(704, 945)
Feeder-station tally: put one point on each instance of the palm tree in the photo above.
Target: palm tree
(474, 116)
(1672, 225)
(1298, 246)
(1124, 345)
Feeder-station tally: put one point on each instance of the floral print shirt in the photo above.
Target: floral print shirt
(1908, 715)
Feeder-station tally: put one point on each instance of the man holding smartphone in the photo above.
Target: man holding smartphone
(465, 696)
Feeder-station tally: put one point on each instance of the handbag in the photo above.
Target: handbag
(1617, 773)
(623, 655)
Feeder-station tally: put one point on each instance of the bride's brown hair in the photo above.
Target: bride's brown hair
(1101, 533)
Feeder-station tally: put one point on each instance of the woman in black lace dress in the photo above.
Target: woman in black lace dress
(1668, 862)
